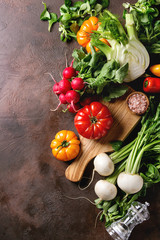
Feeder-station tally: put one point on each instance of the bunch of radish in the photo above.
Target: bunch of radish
(68, 89)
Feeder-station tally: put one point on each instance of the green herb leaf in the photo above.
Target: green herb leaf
(68, 3)
(45, 15)
(104, 3)
(78, 4)
(65, 18)
(98, 8)
(152, 174)
(116, 145)
(114, 91)
(63, 9)
(53, 20)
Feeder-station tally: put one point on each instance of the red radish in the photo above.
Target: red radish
(56, 85)
(64, 85)
(69, 72)
(62, 100)
(73, 108)
(72, 96)
(56, 88)
(77, 84)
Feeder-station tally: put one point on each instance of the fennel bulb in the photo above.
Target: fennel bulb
(125, 47)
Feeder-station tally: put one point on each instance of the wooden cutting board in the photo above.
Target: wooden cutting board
(124, 122)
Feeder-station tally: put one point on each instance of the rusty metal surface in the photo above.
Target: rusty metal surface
(33, 187)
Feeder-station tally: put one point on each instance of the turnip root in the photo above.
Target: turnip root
(103, 164)
(130, 183)
(105, 190)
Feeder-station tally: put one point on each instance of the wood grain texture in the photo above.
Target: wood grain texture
(124, 122)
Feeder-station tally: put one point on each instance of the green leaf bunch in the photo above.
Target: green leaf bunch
(72, 15)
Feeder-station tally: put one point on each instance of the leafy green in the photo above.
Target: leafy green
(45, 15)
(103, 77)
(116, 145)
(68, 3)
(114, 91)
(52, 20)
(72, 15)
(145, 15)
(111, 72)
(152, 174)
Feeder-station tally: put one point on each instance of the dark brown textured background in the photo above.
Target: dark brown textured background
(33, 187)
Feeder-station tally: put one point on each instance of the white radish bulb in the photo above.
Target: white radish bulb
(103, 164)
(105, 190)
(130, 183)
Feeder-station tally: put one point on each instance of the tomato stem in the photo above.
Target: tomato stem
(93, 120)
(64, 144)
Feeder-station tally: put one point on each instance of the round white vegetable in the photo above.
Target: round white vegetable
(105, 190)
(130, 183)
(103, 164)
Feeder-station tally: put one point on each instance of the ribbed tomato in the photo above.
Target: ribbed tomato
(83, 35)
(65, 146)
(93, 121)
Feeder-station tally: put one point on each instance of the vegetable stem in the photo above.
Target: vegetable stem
(131, 27)
(122, 153)
(112, 178)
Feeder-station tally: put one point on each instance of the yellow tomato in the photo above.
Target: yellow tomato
(155, 69)
(65, 146)
(83, 35)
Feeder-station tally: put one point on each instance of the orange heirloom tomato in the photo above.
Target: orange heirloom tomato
(155, 69)
(83, 35)
(65, 146)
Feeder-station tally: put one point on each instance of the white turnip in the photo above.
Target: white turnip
(130, 183)
(105, 190)
(103, 165)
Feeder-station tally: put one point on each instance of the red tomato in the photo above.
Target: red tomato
(93, 121)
